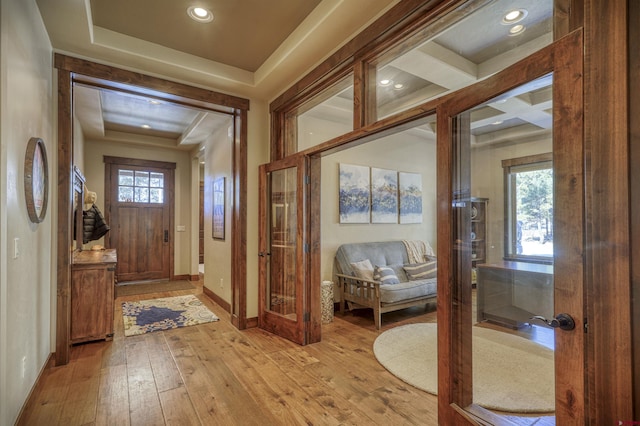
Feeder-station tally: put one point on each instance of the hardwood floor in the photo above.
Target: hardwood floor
(214, 374)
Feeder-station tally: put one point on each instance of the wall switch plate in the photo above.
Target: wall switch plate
(16, 248)
(181, 228)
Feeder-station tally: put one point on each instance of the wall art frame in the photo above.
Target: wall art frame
(218, 219)
(354, 194)
(36, 180)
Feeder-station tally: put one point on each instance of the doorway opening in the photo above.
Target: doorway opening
(72, 73)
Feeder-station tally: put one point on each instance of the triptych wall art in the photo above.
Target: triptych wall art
(373, 195)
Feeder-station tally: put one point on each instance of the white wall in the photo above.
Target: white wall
(26, 283)
(409, 151)
(488, 182)
(94, 152)
(217, 253)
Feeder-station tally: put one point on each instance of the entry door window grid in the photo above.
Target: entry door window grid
(136, 186)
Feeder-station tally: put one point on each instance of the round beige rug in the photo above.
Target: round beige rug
(510, 373)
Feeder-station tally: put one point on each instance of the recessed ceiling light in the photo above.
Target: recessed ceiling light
(514, 16)
(496, 123)
(200, 14)
(145, 126)
(154, 102)
(385, 82)
(517, 30)
(398, 86)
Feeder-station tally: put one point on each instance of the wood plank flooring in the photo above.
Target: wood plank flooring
(214, 374)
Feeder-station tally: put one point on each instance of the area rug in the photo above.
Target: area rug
(510, 373)
(152, 287)
(146, 316)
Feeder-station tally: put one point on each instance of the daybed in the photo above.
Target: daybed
(385, 276)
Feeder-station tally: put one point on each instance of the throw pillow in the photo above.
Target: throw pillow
(363, 269)
(385, 275)
(421, 271)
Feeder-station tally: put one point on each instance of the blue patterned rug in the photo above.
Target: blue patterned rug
(146, 316)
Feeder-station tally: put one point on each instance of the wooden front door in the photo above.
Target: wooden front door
(139, 209)
(284, 293)
(552, 80)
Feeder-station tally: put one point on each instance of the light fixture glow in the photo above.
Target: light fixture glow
(517, 30)
(145, 126)
(200, 14)
(385, 82)
(398, 86)
(496, 123)
(514, 16)
(154, 102)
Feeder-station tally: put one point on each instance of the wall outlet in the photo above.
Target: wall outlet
(24, 366)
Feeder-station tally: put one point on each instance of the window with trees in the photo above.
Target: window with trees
(529, 208)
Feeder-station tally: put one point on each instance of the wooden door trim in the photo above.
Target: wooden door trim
(564, 58)
(71, 70)
(110, 163)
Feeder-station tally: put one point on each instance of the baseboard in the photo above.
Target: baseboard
(211, 295)
(252, 322)
(26, 405)
(180, 277)
(195, 277)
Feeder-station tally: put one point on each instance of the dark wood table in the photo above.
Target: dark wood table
(510, 293)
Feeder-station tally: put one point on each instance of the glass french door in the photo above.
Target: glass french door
(283, 295)
(529, 283)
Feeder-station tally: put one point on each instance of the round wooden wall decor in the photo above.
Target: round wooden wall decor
(36, 179)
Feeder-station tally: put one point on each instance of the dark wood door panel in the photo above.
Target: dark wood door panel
(141, 231)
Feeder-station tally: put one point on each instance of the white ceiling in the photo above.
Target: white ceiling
(256, 51)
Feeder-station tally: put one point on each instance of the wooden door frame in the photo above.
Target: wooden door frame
(110, 163)
(72, 70)
(308, 325)
(564, 59)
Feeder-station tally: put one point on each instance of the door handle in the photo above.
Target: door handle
(561, 321)
(166, 236)
(263, 254)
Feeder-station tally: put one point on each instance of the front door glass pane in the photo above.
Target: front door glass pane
(281, 290)
(513, 354)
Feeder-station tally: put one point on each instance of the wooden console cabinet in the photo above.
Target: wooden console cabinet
(92, 294)
(510, 293)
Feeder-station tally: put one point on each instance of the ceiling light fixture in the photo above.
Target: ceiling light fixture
(145, 126)
(497, 123)
(517, 30)
(385, 82)
(200, 14)
(154, 102)
(398, 86)
(514, 16)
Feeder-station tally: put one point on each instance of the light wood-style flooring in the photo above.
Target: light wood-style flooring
(214, 374)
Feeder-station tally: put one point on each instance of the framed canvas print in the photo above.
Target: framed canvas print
(384, 196)
(218, 208)
(410, 188)
(355, 194)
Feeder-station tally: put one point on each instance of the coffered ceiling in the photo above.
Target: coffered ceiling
(256, 48)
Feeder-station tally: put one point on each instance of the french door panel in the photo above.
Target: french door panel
(560, 63)
(283, 293)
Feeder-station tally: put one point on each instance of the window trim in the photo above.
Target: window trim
(509, 224)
